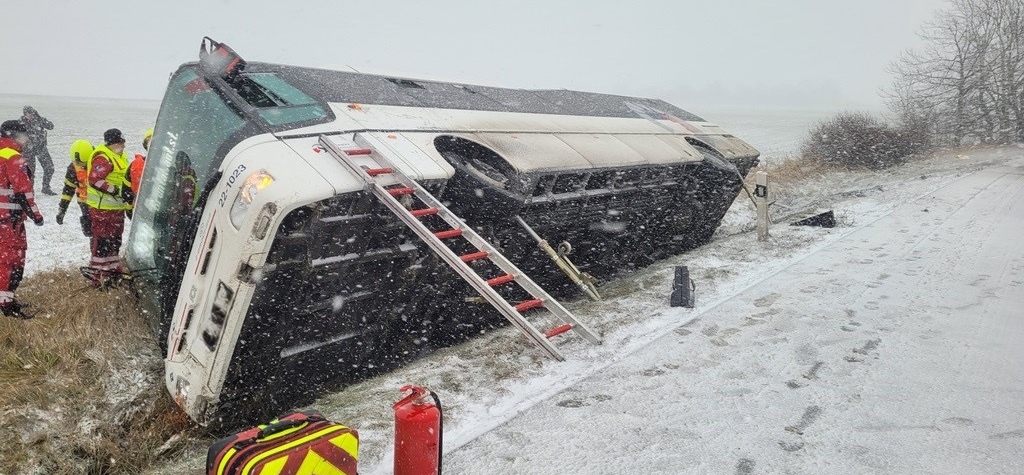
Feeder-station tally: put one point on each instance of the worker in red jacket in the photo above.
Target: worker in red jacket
(139, 162)
(17, 202)
(108, 196)
(136, 167)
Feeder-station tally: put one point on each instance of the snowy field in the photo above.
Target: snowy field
(776, 132)
(889, 344)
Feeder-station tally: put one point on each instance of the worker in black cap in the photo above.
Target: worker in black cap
(37, 126)
(109, 196)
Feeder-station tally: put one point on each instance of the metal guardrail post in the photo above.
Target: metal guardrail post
(761, 200)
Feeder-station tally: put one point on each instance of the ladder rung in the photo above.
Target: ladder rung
(473, 256)
(424, 212)
(358, 151)
(501, 280)
(526, 305)
(448, 234)
(558, 330)
(379, 171)
(401, 191)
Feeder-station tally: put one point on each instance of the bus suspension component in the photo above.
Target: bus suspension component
(584, 281)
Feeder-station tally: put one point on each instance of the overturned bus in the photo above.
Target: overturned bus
(270, 273)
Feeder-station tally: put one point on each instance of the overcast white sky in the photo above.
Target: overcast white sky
(800, 53)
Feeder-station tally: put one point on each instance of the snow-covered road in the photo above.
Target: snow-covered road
(896, 349)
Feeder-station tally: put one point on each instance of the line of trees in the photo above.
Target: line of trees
(966, 84)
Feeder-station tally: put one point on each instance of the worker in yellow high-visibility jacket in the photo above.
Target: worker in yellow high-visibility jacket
(109, 196)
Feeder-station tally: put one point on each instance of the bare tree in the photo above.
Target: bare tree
(967, 82)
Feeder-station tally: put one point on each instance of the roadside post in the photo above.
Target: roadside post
(761, 202)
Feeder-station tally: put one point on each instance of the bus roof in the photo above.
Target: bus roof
(359, 88)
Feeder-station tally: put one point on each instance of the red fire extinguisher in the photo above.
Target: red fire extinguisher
(418, 424)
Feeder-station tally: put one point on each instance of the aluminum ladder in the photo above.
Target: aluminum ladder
(390, 186)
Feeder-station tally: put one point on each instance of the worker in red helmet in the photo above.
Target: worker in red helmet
(109, 196)
(17, 202)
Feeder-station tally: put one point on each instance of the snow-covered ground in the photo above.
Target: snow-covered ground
(884, 345)
(891, 346)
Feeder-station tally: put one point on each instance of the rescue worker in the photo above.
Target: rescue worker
(139, 162)
(17, 202)
(76, 181)
(108, 197)
(188, 183)
(186, 193)
(135, 170)
(37, 126)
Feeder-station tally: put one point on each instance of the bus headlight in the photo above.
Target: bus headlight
(181, 388)
(247, 193)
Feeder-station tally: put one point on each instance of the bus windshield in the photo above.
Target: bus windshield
(194, 130)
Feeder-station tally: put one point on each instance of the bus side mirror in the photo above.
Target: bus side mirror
(218, 59)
